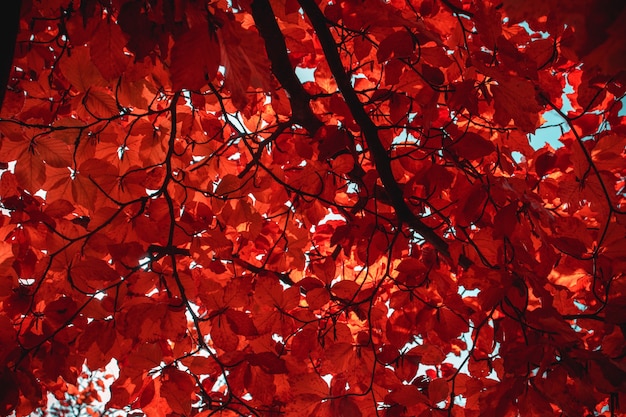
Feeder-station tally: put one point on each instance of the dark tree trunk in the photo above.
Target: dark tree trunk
(9, 26)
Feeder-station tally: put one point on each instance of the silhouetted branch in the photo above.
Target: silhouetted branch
(281, 67)
(9, 26)
(370, 132)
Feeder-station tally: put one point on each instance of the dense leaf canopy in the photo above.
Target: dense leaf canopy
(304, 208)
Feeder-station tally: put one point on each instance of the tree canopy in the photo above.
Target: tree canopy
(316, 208)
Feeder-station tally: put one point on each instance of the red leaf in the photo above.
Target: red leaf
(438, 390)
(570, 246)
(107, 50)
(427, 354)
(346, 290)
(228, 185)
(433, 75)
(10, 392)
(58, 208)
(80, 70)
(222, 335)
(92, 273)
(310, 385)
(54, 151)
(240, 323)
(30, 172)
(407, 395)
(399, 45)
(399, 107)
(60, 311)
(473, 205)
(269, 362)
(505, 221)
(100, 103)
(399, 329)
(338, 357)
(472, 146)
(347, 407)
(325, 270)
(515, 99)
(177, 388)
(544, 163)
(333, 141)
(195, 58)
(317, 298)
(135, 21)
(303, 343)
(246, 64)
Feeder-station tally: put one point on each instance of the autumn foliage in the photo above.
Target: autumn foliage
(303, 208)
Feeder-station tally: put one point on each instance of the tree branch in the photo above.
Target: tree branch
(157, 252)
(456, 9)
(277, 53)
(10, 24)
(370, 132)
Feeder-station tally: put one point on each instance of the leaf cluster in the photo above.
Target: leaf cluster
(377, 238)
